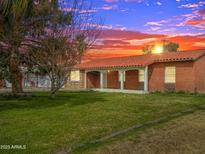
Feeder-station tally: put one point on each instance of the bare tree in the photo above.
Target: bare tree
(68, 34)
(45, 27)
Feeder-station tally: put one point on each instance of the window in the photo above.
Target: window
(170, 74)
(141, 75)
(75, 76)
(120, 76)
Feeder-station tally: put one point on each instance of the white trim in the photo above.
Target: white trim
(115, 69)
(105, 79)
(85, 80)
(121, 91)
(122, 79)
(146, 79)
(101, 80)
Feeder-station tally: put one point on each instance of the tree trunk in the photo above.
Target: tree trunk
(54, 87)
(16, 75)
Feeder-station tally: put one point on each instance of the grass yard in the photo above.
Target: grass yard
(184, 135)
(48, 125)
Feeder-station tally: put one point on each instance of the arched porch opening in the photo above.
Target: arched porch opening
(93, 80)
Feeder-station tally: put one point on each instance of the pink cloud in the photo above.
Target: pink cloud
(152, 23)
(196, 22)
(98, 26)
(106, 7)
(202, 12)
(78, 10)
(189, 5)
(156, 23)
(159, 3)
(111, 1)
(138, 1)
(109, 7)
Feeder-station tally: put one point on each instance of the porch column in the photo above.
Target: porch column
(105, 79)
(121, 79)
(101, 79)
(146, 79)
(85, 80)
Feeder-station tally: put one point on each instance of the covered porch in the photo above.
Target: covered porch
(127, 80)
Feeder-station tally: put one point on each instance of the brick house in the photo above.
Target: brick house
(180, 71)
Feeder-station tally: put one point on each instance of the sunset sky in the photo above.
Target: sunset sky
(130, 24)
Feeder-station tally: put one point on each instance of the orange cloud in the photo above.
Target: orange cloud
(196, 22)
(189, 42)
(116, 43)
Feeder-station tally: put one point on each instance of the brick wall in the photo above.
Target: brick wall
(112, 80)
(156, 77)
(185, 77)
(199, 69)
(76, 85)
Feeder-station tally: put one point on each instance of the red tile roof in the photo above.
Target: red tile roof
(141, 60)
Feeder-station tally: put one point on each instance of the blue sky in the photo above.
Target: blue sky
(151, 16)
(129, 25)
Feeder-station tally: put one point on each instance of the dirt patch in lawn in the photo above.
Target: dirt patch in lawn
(184, 135)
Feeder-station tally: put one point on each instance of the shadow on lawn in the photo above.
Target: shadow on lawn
(37, 101)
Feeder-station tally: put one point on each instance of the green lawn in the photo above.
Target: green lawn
(182, 135)
(47, 125)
